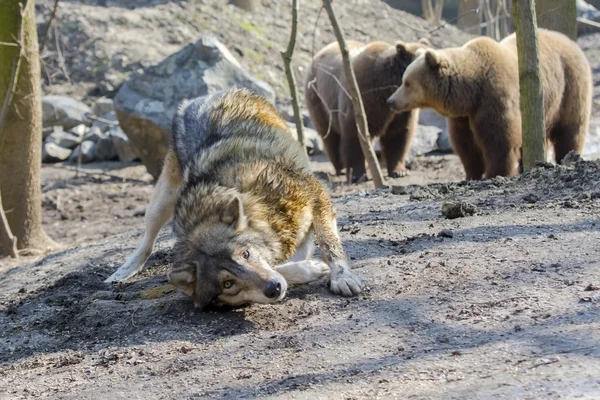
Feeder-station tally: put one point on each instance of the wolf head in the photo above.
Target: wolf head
(222, 254)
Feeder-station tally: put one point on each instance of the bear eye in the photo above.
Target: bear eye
(228, 284)
(246, 254)
(407, 84)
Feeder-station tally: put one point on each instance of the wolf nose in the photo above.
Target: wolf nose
(273, 289)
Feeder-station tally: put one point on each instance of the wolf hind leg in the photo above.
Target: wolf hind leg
(159, 212)
(300, 272)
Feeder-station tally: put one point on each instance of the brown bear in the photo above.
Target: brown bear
(477, 88)
(379, 68)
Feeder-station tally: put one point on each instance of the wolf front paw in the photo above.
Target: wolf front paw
(345, 284)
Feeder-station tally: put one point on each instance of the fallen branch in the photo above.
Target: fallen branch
(287, 62)
(359, 110)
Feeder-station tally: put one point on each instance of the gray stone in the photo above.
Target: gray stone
(122, 145)
(94, 134)
(287, 113)
(79, 130)
(312, 140)
(105, 150)
(63, 111)
(106, 121)
(51, 152)
(103, 106)
(423, 142)
(50, 130)
(430, 117)
(64, 139)
(443, 142)
(146, 103)
(87, 150)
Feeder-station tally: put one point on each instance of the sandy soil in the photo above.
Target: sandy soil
(507, 307)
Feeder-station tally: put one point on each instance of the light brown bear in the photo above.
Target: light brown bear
(379, 68)
(477, 88)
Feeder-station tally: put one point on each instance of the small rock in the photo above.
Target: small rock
(458, 209)
(443, 142)
(106, 121)
(591, 288)
(94, 134)
(420, 194)
(531, 198)
(397, 189)
(595, 195)
(447, 233)
(64, 139)
(50, 130)
(122, 145)
(87, 150)
(570, 204)
(103, 106)
(52, 152)
(586, 299)
(105, 149)
(79, 130)
(544, 164)
(63, 111)
(539, 268)
(571, 159)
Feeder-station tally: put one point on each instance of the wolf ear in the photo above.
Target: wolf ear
(425, 42)
(233, 214)
(183, 278)
(435, 60)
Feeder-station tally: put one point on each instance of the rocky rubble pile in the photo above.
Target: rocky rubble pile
(72, 131)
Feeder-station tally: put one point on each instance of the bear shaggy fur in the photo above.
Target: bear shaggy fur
(378, 67)
(477, 88)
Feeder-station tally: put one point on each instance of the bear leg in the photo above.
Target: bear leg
(566, 138)
(396, 140)
(352, 154)
(464, 145)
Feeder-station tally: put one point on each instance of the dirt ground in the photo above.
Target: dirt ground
(508, 307)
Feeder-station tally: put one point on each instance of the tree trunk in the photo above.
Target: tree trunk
(21, 134)
(532, 96)
(470, 16)
(427, 9)
(559, 16)
(364, 137)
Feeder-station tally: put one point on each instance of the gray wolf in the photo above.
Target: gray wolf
(246, 208)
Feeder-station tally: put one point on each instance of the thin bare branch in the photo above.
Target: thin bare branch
(47, 28)
(359, 110)
(287, 62)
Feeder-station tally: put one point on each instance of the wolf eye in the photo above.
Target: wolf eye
(246, 254)
(228, 284)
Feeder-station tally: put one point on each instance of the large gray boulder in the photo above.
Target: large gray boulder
(146, 103)
(63, 111)
(424, 141)
(312, 140)
(51, 152)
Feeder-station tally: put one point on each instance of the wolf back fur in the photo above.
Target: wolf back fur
(246, 206)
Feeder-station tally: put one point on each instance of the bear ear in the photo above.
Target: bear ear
(425, 42)
(435, 60)
(401, 48)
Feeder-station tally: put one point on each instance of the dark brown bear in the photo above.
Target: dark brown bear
(379, 68)
(477, 87)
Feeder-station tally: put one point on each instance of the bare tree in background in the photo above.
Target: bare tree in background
(532, 96)
(20, 127)
(557, 15)
(359, 109)
(289, 73)
(470, 16)
(433, 12)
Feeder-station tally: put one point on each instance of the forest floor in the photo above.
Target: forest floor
(503, 303)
